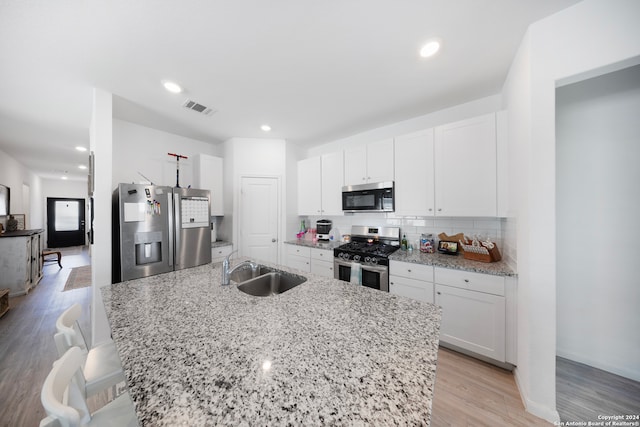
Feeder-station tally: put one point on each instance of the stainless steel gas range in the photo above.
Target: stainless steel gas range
(365, 260)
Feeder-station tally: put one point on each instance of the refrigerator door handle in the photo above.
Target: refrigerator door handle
(177, 229)
(170, 226)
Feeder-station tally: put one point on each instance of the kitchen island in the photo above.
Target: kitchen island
(325, 352)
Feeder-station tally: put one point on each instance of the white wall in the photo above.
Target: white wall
(14, 174)
(594, 36)
(141, 149)
(253, 157)
(100, 143)
(64, 189)
(475, 108)
(598, 148)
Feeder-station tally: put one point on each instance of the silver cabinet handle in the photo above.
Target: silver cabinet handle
(439, 293)
(466, 280)
(408, 271)
(439, 209)
(430, 209)
(273, 240)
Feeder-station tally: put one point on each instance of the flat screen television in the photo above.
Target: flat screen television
(4, 200)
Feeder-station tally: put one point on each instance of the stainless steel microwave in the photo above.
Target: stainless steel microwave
(374, 197)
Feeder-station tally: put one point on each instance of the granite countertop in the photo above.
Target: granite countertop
(220, 243)
(21, 233)
(311, 244)
(194, 352)
(457, 262)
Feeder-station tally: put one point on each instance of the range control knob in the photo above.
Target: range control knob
(356, 258)
(345, 256)
(367, 259)
(374, 260)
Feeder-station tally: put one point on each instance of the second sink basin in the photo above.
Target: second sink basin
(245, 273)
(273, 282)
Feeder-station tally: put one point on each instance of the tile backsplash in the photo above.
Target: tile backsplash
(413, 227)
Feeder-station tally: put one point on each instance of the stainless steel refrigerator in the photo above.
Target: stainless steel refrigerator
(158, 229)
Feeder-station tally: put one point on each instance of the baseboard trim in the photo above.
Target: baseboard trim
(534, 408)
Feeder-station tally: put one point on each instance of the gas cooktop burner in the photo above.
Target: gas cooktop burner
(378, 249)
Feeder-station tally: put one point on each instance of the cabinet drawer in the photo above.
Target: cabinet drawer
(321, 254)
(220, 252)
(411, 288)
(469, 280)
(411, 270)
(298, 250)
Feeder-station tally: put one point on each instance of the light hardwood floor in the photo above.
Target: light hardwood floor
(467, 392)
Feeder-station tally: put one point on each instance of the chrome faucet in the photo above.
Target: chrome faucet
(226, 271)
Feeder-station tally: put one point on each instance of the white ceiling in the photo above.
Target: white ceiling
(315, 71)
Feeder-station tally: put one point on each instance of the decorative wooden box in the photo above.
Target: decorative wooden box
(481, 253)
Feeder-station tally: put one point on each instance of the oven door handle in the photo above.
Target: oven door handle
(368, 267)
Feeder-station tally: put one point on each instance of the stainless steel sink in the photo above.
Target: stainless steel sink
(271, 283)
(245, 273)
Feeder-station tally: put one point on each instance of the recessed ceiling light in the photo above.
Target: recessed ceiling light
(172, 87)
(430, 48)
(81, 148)
(82, 167)
(265, 128)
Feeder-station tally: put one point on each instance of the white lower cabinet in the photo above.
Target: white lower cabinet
(219, 253)
(411, 280)
(299, 257)
(473, 311)
(322, 262)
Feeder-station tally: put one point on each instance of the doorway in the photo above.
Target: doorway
(65, 222)
(259, 212)
(597, 150)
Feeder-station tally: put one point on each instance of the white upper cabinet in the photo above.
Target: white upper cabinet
(320, 181)
(414, 178)
(309, 186)
(465, 168)
(332, 182)
(372, 162)
(208, 176)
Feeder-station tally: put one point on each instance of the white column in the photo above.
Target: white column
(101, 143)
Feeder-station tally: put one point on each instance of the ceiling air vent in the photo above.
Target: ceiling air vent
(198, 108)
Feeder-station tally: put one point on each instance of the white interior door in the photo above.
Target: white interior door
(258, 228)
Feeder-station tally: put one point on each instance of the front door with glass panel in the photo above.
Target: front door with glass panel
(65, 222)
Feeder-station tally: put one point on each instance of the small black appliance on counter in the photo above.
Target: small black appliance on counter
(323, 228)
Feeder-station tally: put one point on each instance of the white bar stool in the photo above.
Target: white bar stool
(66, 406)
(102, 367)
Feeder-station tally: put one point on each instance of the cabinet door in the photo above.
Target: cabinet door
(465, 167)
(299, 262)
(472, 320)
(322, 268)
(380, 161)
(414, 190)
(332, 182)
(355, 165)
(309, 186)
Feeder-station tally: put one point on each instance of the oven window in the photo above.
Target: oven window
(344, 273)
(371, 279)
